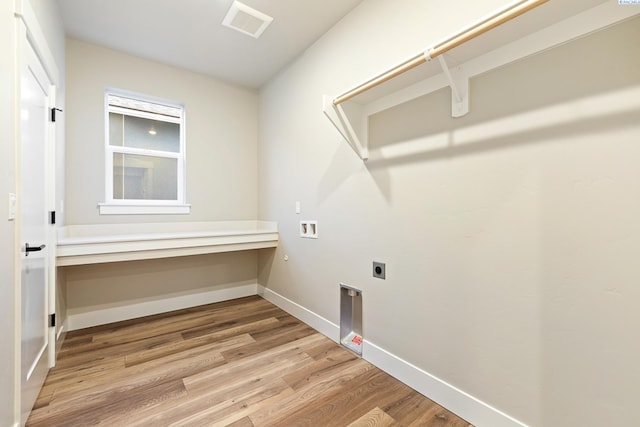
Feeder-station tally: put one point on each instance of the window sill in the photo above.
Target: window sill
(143, 209)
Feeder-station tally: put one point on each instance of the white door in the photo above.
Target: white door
(34, 127)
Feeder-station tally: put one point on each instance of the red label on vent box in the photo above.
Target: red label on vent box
(357, 340)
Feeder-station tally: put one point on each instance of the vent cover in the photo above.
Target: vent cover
(246, 20)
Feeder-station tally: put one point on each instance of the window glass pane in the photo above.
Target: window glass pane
(142, 133)
(137, 177)
(115, 129)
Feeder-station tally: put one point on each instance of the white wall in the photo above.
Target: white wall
(51, 26)
(511, 269)
(221, 131)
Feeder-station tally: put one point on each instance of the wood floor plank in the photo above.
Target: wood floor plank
(237, 370)
(105, 350)
(231, 320)
(323, 368)
(110, 404)
(61, 379)
(313, 396)
(416, 410)
(246, 328)
(240, 363)
(243, 422)
(343, 406)
(212, 398)
(86, 391)
(374, 418)
(350, 405)
(71, 342)
(181, 321)
(286, 333)
(214, 344)
(228, 411)
(325, 348)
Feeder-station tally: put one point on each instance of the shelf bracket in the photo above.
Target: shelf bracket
(341, 120)
(459, 84)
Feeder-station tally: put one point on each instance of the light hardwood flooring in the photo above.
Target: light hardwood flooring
(240, 363)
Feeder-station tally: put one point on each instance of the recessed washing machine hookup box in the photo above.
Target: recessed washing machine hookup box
(351, 318)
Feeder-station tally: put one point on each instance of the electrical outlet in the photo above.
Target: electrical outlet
(379, 270)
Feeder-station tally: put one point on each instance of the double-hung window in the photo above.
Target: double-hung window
(144, 156)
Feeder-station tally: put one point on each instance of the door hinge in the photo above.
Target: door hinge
(53, 113)
(52, 217)
(52, 320)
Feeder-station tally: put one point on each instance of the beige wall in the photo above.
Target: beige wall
(97, 287)
(511, 270)
(221, 131)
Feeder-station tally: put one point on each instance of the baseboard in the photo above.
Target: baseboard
(60, 337)
(61, 331)
(457, 401)
(317, 322)
(102, 316)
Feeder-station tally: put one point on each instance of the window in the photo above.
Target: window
(144, 156)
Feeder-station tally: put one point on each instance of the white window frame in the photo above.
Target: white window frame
(147, 107)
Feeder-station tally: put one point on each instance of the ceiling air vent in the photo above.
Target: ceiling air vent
(246, 20)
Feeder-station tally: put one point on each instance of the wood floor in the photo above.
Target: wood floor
(240, 363)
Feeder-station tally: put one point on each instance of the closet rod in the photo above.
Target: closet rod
(443, 47)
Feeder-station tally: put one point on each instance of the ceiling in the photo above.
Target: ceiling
(189, 33)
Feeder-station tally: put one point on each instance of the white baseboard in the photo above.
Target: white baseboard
(457, 401)
(464, 405)
(60, 336)
(317, 322)
(102, 316)
(61, 331)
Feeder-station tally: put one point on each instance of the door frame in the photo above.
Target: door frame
(28, 31)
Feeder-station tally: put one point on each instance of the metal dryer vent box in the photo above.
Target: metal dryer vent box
(351, 318)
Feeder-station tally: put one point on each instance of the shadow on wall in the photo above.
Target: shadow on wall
(584, 116)
(342, 166)
(97, 285)
(265, 263)
(564, 91)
